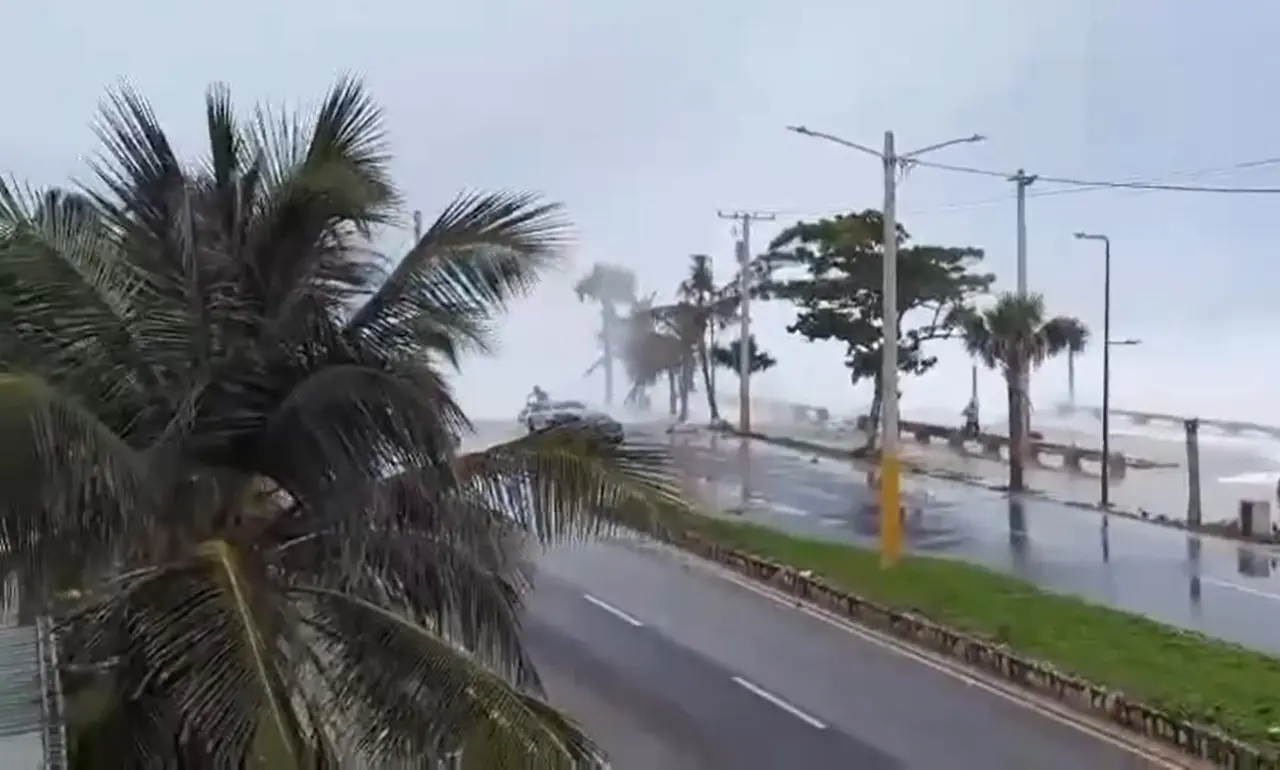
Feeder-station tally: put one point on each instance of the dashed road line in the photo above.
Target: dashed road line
(1156, 755)
(760, 692)
(614, 611)
(1242, 589)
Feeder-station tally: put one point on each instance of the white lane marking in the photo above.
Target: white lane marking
(612, 610)
(780, 703)
(1059, 714)
(1240, 588)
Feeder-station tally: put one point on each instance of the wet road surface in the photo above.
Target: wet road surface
(671, 666)
(1207, 584)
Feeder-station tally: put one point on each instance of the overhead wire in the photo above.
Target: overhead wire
(1113, 184)
(1137, 185)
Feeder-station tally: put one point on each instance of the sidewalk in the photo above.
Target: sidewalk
(1159, 492)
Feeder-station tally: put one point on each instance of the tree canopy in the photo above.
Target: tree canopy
(231, 447)
(1015, 336)
(840, 296)
(730, 356)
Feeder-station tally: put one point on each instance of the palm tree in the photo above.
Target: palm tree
(730, 356)
(1015, 337)
(610, 286)
(231, 449)
(705, 309)
(656, 350)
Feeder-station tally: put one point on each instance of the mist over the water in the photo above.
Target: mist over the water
(1175, 370)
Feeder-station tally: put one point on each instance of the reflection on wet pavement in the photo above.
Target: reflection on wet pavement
(1217, 587)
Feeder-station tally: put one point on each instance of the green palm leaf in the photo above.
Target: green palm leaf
(230, 432)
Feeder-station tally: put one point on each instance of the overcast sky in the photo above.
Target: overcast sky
(645, 118)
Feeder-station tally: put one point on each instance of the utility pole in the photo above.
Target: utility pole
(743, 249)
(1022, 181)
(417, 227)
(890, 469)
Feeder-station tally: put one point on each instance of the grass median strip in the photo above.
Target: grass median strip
(1185, 674)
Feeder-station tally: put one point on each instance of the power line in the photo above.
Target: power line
(1136, 186)
(1129, 185)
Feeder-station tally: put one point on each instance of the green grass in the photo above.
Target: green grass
(1185, 674)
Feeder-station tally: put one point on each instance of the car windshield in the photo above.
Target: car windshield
(567, 406)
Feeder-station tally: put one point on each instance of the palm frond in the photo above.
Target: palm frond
(563, 483)
(231, 450)
(482, 251)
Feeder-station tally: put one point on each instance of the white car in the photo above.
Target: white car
(555, 413)
(544, 415)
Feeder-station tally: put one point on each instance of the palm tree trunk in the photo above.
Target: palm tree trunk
(686, 385)
(704, 360)
(672, 397)
(609, 324)
(1017, 430)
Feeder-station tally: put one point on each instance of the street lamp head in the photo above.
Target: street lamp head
(976, 138)
(799, 130)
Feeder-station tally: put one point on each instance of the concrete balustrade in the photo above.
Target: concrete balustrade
(992, 446)
(1046, 454)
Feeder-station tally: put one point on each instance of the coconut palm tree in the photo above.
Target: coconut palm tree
(705, 309)
(610, 286)
(654, 352)
(1014, 337)
(231, 449)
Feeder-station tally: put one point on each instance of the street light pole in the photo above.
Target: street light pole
(1107, 343)
(890, 467)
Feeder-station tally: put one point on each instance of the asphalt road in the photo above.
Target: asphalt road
(671, 666)
(1220, 588)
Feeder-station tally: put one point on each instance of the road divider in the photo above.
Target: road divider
(1205, 699)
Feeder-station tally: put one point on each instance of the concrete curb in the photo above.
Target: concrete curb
(915, 468)
(1032, 676)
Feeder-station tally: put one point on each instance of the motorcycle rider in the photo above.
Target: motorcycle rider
(972, 427)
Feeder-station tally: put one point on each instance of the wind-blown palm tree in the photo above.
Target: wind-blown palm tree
(230, 447)
(610, 286)
(704, 309)
(654, 351)
(1015, 337)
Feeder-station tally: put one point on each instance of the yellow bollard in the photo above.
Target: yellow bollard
(890, 510)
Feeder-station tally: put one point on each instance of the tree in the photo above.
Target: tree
(660, 344)
(730, 356)
(841, 296)
(1014, 337)
(231, 450)
(701, 310)
(610, 286)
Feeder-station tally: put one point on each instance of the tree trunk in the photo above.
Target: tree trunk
(873, 428)
(1017, 430)
(705, 362)
(686, 385)
(673, 400)
(609, 324)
